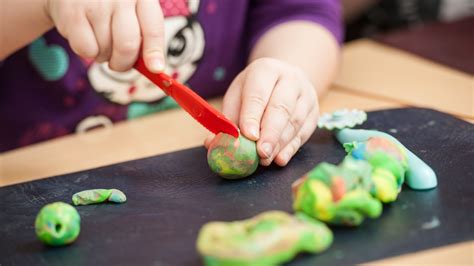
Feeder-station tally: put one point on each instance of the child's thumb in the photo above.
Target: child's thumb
(152, 28)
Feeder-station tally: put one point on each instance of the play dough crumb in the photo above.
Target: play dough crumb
(57, 224)
(431, 224)
(94, 196)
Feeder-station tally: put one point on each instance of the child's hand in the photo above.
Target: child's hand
(108, 30)
(275, 103)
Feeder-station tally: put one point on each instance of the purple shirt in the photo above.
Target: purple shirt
(46, 91)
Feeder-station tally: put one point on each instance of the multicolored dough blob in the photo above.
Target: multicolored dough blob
(389, 165)
(339, 195)
(232, 158)
(57, 224)
(270, 238)
(94, 196)
(418, 176)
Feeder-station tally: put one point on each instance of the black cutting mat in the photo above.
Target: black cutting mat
(171, 196)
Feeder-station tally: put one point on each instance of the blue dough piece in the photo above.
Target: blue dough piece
(419, 175)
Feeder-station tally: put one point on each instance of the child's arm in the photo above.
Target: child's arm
(105, 30)
(305, 45)
(21, 23)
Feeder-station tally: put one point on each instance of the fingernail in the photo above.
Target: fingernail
(267, 149)
(285, 158)
(156, 65)
(253, 131)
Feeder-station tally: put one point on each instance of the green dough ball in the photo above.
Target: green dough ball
(232, 158)
(57, 224)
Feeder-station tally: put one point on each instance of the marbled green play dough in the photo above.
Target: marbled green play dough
(337, 194)
(94, 196)
(232, 158)
(57, 224)
(389, 165)
(270, 238)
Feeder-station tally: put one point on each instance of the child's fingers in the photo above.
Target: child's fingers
(230, 105)
(151, 21)
(304, 106)
(301, 137)
(100, 20)
(268, 161)
(125, 37)
(208, 140)
(81, 37)
(257, 88)
(279, 110)
(233, 100)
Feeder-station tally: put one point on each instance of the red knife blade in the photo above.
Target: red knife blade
(192, 103)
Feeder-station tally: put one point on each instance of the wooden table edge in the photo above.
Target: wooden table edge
(368, 41)
(461, 253)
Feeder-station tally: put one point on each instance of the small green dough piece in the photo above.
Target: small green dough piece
(57, 224)
(94, 196)
(270, 238)
(232, 158)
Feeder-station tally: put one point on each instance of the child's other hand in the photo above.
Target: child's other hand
(112, 30)
(275, 104)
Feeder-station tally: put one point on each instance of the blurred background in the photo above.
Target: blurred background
(438, 30)
(365, 18)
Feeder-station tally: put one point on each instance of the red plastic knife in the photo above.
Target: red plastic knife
(192, 103)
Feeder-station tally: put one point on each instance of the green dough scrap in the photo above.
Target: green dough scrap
(57, 224)
(94, 196)
(270, 238)
(232, 158)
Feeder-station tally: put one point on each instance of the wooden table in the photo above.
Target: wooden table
(373, 77)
